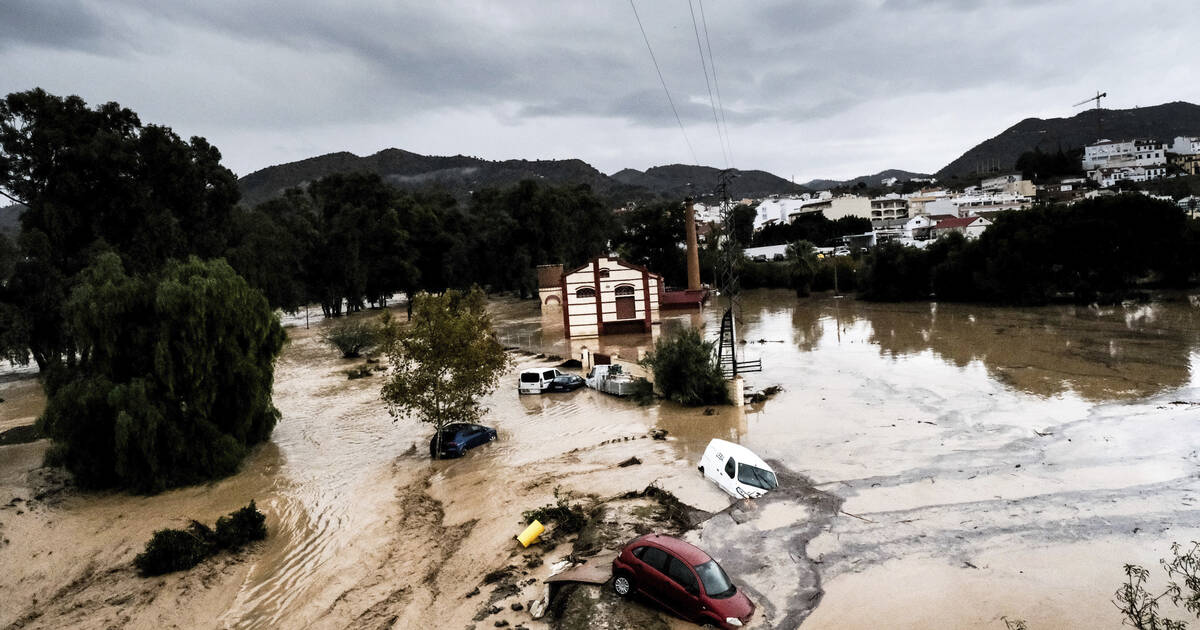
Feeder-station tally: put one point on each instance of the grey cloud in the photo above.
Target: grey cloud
(51, 24)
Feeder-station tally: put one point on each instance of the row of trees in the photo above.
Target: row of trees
(812, 227)
(1094, 250)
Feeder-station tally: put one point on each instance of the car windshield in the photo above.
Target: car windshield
(715, 582)
(530, 377)
(757, 477)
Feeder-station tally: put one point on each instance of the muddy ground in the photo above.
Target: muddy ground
(943, 467)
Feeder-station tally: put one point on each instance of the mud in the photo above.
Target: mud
(945, 466)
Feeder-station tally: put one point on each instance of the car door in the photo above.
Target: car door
(651, 573)
(682, 591)
(548, 377)
(480, 436)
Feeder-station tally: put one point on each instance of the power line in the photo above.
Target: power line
(716, 84)
(664, 84)
(704, 68)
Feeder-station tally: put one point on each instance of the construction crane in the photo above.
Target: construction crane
(1099, 117)
(1097, 97)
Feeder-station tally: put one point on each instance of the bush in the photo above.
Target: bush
(243, 526)
(570, 518)
(686, 371)
(643, 392)
(352, 337)
(172, 550)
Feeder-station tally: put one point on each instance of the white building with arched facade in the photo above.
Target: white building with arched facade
(603, 297)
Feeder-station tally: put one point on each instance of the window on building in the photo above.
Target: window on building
(585, 292)
(624, 289)
(603, 272)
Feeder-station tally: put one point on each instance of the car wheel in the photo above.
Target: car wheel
(701, 469)
(623, 585)
(492, 437)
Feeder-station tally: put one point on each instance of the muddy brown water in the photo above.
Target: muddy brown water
(997, 462)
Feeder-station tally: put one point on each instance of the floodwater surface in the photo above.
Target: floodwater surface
(950, 466)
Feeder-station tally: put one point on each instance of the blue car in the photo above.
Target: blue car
(458, 437)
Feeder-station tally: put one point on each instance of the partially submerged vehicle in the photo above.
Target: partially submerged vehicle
(457, 437)
(736, 470)
(566, 383)
(682, 578)
(611, 379)
(536, 380)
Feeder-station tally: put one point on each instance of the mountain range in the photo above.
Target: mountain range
(461, 174)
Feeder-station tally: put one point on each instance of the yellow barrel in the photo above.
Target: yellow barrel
(531, 533)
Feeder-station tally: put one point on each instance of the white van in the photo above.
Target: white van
(737, 471)
(537, 380)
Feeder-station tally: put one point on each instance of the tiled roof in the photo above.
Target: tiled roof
(956, 222)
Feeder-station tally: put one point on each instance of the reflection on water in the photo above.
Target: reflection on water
(1098, 353)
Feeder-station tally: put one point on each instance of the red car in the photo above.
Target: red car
(683, 579)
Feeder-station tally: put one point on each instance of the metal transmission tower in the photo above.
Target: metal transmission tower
(729, 255)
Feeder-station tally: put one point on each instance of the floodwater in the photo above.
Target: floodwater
(960, 464)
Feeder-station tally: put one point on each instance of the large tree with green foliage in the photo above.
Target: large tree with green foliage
(96, 180)
(445, 361)
(174, 374)
(652, 236)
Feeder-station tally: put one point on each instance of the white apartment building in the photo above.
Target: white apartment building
(1115, 154)
(785, 209)
(1185, 145)
(1108, 161)
(1107, 177)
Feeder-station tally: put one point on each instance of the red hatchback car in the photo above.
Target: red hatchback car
(683, 579)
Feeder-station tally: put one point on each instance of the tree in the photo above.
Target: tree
(652, 237)
(802, 263)
(685, 369)
(95, 180)
(444, 361)
(173, 382)
(1140, 607)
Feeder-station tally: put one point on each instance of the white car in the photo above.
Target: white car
(736, 470)
(537, 380)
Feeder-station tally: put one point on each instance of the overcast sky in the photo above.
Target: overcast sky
(819, 88)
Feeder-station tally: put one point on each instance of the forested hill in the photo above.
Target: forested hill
(1160, 122)
(870, 181)
(459, 175)
(679, 180)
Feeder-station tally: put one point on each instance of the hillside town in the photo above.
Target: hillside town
(920, 217)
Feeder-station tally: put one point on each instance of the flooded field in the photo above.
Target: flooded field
(959, 464)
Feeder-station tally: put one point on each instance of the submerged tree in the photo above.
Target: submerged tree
(802, 266)
(444, 361)
(686, 371)
(173, 379)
